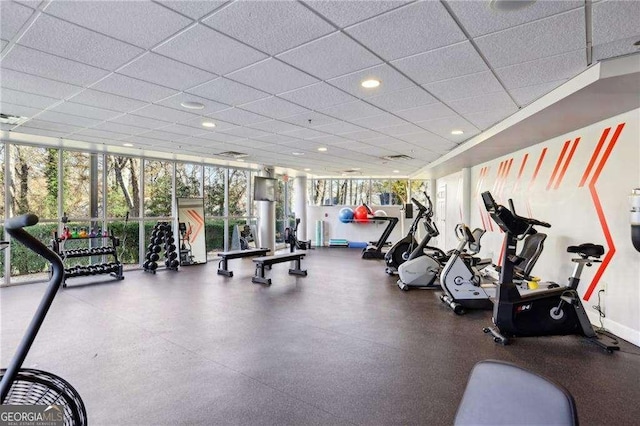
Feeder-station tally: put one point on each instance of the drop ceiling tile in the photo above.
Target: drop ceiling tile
(339, 128)
(485, 119)
(162, 113)
(305, 133)
(220, 137)
(85, 111)
(403, 99)
(330, 56)
(352, 110)
(140, 121)
(432, 143)
(110, 126)
(194, 9)
(616, 48)
(465, 87)
(209, 50)
(107, 101)
(540, 39)
(491, 101)
(41, 132)
(130, 87)
(93, 139)
(401, 129)
(544, 70)
(59, 128)
(209, 105)
(412, 29)
(3, 43)
(345, 13)
(526, 95)
(330, 140)
(42, 64)
(228, 92)
(441, 64)
(274, 107)
(272, 76)
(140, 140)
(317, 96)
(390, 81)
(196, 122)
(100, 134)
(309, 119)
(12, 17)
(246, 132)
(363, 135)
(615, 20)
(166, 72)
(162, 135)
(277, 139)
(73, 120)
(379, 121)
(275, 126)
(70, 41)
(238, 116)
(20, 110)
(304, 145)
(25, 99)
(478, 18)
(272, 27)
(426, 112)
(443, 127)
(140, 23)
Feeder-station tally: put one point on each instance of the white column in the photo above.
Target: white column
(466, 196)
(300, 202)
(267, 217)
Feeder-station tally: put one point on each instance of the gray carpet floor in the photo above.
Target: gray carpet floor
(341, 346)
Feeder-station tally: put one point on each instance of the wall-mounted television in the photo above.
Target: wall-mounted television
(264, 189)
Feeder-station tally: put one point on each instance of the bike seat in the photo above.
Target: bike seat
(587, 250)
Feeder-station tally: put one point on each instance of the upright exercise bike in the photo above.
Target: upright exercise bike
(556, 311)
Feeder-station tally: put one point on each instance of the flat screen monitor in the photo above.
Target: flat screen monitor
(264, 189)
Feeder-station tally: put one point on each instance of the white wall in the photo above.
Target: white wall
(556, 195)
(453, 213)
(354, 231)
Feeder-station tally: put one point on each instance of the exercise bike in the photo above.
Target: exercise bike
(291, 238)
(421, 270)
(460, 280)
(556, 311)
(403, 248)
(27, 386)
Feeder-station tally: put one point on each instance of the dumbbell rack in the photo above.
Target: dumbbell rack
(112, 268)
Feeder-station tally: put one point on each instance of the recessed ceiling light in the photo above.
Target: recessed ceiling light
(307, 169)
(510, 5)
(297, 153)
(396, 171)
(370, 84)
(208, 124)
(192, 105)
(322, 149)
(127, 144)
(457, 132)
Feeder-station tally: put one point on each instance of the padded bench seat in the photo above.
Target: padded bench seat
(267, 261)
(237, 254)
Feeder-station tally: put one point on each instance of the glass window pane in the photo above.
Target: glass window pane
(399, 191)
(380, 192)
(123, 187)
(82, 180)
(238, 185)
(25, 261)
(34, 181)
(340, 191)
(213, 191)
(157, 188)
(2, 152)
(214, 236)
(418, 189)
(129, 235)
(359, 192)
(188, 180)
(320, 193)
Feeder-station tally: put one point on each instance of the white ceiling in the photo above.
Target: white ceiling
(284, 76)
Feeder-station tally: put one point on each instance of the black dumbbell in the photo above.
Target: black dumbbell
(175, 263)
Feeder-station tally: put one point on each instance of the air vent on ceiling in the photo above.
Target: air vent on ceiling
(12, 119)
(232, 154)
(397, 157)
(351, 172)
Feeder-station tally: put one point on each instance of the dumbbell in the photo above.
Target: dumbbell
(153, 266)
(156, 249)
(154, 257)
(175, 263)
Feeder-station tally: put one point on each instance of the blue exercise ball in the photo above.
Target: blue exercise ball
(346, 215)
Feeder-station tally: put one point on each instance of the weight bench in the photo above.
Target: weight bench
(237, 254)
(267, 261)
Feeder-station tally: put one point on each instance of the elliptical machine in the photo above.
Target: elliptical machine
(403, 248)
(460, 280)
(421, 270)
(557, 311)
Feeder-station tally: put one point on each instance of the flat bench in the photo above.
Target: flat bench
(237, 254)
(267, 261)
